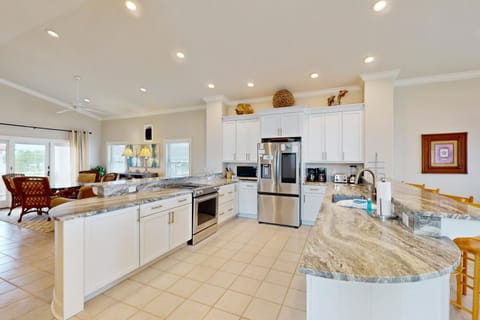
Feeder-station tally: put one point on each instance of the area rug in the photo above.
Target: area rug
(30, 221)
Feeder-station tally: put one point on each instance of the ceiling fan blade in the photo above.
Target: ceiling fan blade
(93, 110)
(63, 111)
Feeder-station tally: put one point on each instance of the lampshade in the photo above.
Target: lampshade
(128, 152)
(145, 152)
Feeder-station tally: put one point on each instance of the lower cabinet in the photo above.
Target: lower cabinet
(227, 202)
(312, 202)
(247, 199)
(167, 225)
(111, 247)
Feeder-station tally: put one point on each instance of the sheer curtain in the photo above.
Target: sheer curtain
(79, 142)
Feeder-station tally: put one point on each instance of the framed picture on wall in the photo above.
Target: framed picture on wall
(444, 153)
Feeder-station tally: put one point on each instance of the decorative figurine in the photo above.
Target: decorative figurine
(331, 101)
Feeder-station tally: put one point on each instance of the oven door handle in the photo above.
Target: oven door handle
(205, 197)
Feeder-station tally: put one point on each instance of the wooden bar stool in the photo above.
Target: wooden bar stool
(470, 248)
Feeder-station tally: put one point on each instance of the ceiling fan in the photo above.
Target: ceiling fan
(78, 105)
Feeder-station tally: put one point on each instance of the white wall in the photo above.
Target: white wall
(190, 125)
(20, 108)
(438, 108)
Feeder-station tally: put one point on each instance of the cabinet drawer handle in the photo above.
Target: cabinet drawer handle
(314, 189)
(173, 217)
(222, 213)
(221, 194)
(231, 209)
(156, 207)
(182, 200)
(230, 192)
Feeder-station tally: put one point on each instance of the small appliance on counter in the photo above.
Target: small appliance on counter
(353, 174)
(321, 175)
(311, 174)
(316, 175)
(340, 178)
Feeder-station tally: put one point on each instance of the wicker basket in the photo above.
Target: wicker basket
(283, 98)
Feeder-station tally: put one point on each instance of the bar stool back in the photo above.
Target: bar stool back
(470, 248)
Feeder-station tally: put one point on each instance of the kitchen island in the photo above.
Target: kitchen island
(359, 267)
(102, 240)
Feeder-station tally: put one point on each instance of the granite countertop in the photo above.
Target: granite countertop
(149, 192)
(348, 244)
(426, 203)
(96, 205)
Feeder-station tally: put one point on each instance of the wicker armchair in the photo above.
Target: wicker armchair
(111, 176)
(15, 196)
(35, 195)
(88, 176)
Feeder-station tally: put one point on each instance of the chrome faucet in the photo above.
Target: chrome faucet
(374, 190)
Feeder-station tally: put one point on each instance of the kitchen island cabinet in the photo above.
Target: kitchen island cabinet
(382, 269)
(97, 243)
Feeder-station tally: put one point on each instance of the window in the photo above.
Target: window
(116, 161)
(177, 158)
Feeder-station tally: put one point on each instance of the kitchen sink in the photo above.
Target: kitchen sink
(340, 197)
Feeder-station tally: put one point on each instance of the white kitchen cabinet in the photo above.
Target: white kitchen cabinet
(164, 225)
(247, 199)
(312, 202)
(335, 136)
(281, 125)
(227, 202)
(352, 135)
(229, 140)
(324, 137)
(111, 247)
(240, 138)
(181, 226)
(154, 236)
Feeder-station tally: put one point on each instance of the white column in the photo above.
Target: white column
(379, 113)
(214, 112)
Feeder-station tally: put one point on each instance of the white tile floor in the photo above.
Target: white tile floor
(245, 271)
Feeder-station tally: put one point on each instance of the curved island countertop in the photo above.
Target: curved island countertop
(348, 244)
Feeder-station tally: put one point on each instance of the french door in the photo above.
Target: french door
(34, 157)
(4, 196)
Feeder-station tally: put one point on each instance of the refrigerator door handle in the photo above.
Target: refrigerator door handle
(277, 170)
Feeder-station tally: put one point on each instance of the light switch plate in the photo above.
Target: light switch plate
(132, 189)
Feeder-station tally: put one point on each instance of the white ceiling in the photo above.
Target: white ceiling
(275, 43)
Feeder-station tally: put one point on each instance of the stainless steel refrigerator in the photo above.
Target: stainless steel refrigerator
(279, 163)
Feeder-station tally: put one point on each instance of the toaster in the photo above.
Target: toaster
(340, 178)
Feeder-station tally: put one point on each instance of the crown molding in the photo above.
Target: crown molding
(383, 75)
(149, 114)
(218, 98)
(44, 97)
(297, 95)
(447, 77)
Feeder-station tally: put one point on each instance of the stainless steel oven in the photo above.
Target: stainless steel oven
(205, 216)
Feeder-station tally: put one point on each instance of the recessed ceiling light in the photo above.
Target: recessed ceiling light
(369, 59)
(86, 100)
(379, 5)
(52, 34)
(143, 89)
(314, 75)
(211, 86)
(131, 5)
(250, 84)
(180, 55)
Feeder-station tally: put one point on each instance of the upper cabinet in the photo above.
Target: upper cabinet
(335, 135)
(240, 138)
(282, 125)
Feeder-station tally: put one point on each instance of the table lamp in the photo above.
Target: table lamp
(145, 153)
(127, 153)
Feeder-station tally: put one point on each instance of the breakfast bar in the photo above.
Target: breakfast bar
(393, 269)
